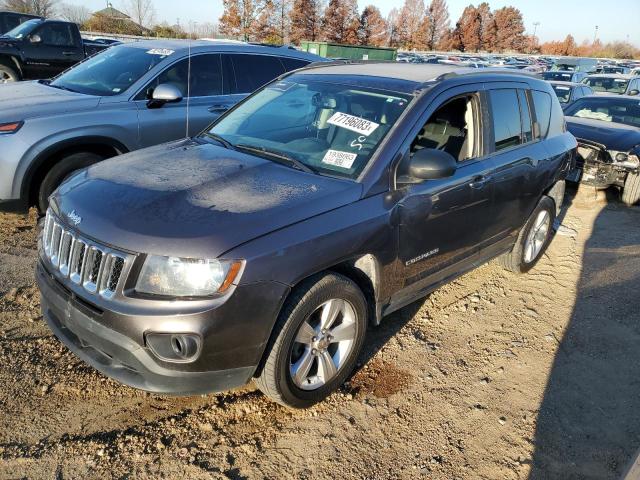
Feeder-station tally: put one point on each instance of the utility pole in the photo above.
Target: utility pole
(535, 27)
(595, 35)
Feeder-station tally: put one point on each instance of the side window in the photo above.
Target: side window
(253, 71)
(577, 93)
(206, 77)
(293, 63)
(542, 104)
(525, 115)
(453, 128)
(506, 118)
(56, 35)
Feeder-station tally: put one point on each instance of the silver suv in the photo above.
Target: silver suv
(125, 98)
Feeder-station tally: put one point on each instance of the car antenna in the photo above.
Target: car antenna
(188, 86)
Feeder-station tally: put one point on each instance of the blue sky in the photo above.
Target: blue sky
(616, 21)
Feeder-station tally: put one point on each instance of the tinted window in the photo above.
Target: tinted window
(293, 63)
(206, 76)
(542, 105)
(527, 133)
(253, 71)
(506, 118)
(56, 34)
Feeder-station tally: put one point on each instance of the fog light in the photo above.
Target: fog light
(174, 347)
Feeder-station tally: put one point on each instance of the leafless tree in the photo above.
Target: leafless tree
(141, 11)
(78, 14)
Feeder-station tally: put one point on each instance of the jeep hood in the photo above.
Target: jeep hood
(193, 200)
(614, 136)
(24, 100)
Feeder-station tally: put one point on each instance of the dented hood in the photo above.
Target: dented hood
(193, 200)
(613, 136)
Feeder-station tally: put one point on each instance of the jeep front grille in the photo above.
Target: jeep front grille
(96, 268)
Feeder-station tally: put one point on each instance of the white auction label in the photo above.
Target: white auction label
(339, 159)
(355, 124)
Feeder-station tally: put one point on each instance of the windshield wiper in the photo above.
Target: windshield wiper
(277, 157)
(59, 87)
(225, 143)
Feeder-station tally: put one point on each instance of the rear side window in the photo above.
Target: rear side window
(11, 22)
(293, 63)
(525, 115)
(542, 105)
(506, 118)
(253, 71)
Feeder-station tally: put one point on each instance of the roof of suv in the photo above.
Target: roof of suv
(625, 76)
(199, 46)
(412, 72)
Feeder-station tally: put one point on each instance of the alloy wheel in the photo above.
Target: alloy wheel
(322, 344)
(537, 236)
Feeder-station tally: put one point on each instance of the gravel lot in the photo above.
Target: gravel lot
(494, 376)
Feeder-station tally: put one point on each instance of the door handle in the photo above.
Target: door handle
(219, 108)
(68, 54)
(479, 182)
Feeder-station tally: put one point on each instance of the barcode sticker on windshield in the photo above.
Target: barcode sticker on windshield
(355, 124)
(339, 159)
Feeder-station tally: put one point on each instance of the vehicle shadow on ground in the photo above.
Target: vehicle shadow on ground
(588, 424)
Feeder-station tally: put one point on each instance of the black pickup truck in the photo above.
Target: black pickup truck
(40, 49)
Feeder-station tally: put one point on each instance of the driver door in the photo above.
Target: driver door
(201, 84)
(57, 50)
(444, 222)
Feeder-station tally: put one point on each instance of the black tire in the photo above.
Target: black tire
(8, 74)
(60, 172)
(631, 190)
(275, 379)
(515, 260)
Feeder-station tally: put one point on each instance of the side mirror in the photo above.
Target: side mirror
(634, 92)
(35, 39)
(164, 93)
(431, 164)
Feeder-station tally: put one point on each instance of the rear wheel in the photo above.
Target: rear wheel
(317, 340)
(8, 74)
(533, 239)
(631, 190)
(62, 170)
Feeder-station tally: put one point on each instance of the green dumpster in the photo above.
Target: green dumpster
(352, 52)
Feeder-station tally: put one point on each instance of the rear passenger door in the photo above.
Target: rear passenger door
(518, 155)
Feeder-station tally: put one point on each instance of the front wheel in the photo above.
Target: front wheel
(533, 239)
(631, 190)
(62, 170)
(316, 341)
(8, 74)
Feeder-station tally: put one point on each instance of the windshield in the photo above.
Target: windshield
(23, 29)
(563, 93)
(607, 84)
(329, 128)
(112, 71)
(607, 110)
(561, 76)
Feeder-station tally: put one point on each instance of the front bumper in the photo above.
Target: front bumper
(124, 359)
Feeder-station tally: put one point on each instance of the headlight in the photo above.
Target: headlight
(186, 277)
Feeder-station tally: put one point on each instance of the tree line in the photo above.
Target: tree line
(414, 26)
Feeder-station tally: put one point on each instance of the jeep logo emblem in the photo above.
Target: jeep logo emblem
(74, 218)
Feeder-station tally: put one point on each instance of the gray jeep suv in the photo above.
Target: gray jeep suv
(265, 246)
(128, 97)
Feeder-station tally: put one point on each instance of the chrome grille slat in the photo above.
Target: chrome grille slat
(96, 268)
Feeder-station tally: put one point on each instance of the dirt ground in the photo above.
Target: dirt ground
(495, 376)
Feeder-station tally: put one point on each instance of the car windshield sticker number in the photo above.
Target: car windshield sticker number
(339, 159)
(163, 52)
(355, 124)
